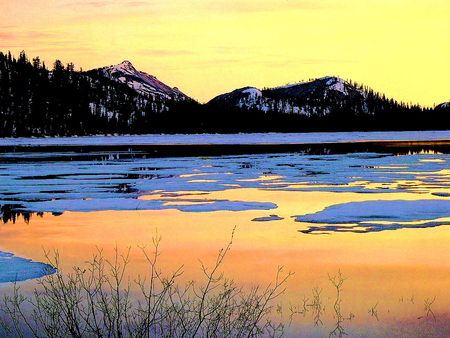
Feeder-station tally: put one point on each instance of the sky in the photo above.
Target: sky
(209, 47)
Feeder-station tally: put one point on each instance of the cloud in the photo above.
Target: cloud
(95, 4)
(35, 38)
(235, 50)
(98, 4)
(103, 4)
(74, 49)
(28, 37)
(38, 35)
(322, 61)
(216, 62)
(235, 6)
(135, 4)
(11, 46)
(293, 63)
(7, 36)
(165, 52)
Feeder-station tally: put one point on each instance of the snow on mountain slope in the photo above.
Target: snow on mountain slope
(323, 87)
(338, 85)
(249, 97)
(238, 97)
(299, 99)
(253, 92)
(142, 82)
(444, 105)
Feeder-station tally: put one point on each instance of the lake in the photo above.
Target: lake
(374, 207)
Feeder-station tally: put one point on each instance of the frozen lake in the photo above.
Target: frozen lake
(379, 216)
(255, 138)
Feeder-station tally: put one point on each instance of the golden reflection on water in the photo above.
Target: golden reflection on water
(423, 152)
(387, 268)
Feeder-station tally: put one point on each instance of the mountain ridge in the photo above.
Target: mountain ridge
(142, 82)
(300, 98)
(329, 103)
(36, 101)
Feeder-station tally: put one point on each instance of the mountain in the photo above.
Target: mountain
(142, 82)
(325, 104)
(445, 105)
(36, 101)
(310, 98)
(329, 86)
(246, 96)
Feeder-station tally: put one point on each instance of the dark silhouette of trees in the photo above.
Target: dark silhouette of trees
(37, 62)
(58, 66)
(35, 101)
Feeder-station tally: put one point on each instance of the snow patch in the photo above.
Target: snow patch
(444, 105)
(337, 84)
(253, 92)
(339, 87)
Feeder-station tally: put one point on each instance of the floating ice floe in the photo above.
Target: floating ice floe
(88, 205)
(16, 269)
(370, 216)
(268, 219)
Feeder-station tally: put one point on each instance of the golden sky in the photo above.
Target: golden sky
(208, 47)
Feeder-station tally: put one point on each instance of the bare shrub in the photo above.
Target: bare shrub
(96, 302)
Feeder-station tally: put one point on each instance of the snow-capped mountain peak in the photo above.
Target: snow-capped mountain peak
(142, 82)
(126, 66)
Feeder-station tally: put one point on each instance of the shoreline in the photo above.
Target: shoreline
(21, 153)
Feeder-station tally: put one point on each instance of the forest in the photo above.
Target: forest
(38, 101)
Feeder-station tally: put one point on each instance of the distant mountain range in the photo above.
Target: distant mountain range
(319, 96)
(330, 103)
(36, 101)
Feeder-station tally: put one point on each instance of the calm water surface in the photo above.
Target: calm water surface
(381, 220)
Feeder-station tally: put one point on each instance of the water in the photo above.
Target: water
(380, 218)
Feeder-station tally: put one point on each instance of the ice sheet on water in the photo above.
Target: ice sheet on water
(138, 204)
(370, 216)
(19, 269)
(116, 184)
(255, 138)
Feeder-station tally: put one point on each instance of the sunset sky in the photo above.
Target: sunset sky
(208, 47)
